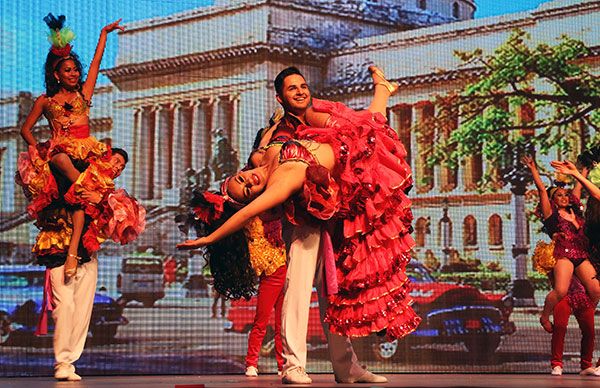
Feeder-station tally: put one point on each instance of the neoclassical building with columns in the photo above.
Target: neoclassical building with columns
(183, 81)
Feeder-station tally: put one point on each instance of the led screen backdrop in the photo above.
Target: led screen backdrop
(184, 90)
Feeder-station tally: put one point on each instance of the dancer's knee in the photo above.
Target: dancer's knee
(561, 292)
(60, 160)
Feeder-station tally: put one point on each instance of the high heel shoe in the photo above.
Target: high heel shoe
(70, 272)
(392, 87)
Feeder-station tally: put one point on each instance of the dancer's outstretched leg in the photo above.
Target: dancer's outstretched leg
(382, 91)
(563, 271)
(78, 220)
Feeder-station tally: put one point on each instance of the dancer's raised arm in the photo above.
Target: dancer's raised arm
(544, 199)
(88, 86)
(567, 167)
(287, 179)
(577, 187)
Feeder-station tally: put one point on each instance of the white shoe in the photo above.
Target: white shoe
(591, 371)
(366, 378)
(74, 377)
(251, 371)
(63, 370)
(296, 376)
(279, 373)
(556, 371)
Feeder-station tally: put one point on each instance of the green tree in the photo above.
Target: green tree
(551, 86)
(520, 99)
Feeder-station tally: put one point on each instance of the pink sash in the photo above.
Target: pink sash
(47, 305)
(330, 276)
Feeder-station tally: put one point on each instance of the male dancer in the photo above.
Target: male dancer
(305, 265)
(72, 302)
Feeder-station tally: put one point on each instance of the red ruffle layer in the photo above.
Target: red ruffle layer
(372, 176)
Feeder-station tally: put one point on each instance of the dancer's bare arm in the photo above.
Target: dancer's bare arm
(544, 200)
(567, 167)
(283, 183)
(578, 186)
(88, 86)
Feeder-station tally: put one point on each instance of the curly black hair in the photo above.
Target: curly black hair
(229, 258)
(589, 157)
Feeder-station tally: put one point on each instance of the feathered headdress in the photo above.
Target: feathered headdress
(59, 36)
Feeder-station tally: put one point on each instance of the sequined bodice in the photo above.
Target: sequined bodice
(570, 241)
(63, 116)
(294, 151)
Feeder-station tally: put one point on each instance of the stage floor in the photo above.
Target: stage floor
(319, 380)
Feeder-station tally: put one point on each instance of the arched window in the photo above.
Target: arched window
(495, 230)
(455, 10)
(421, 229)
(444, 237)
(422, 4)
(470, 231)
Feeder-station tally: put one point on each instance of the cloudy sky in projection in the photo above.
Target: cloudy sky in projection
(23, 44)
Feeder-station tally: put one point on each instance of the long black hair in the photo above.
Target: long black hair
(229, 258)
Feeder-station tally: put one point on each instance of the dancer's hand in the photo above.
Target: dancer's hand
(529, 162)
(564, 167)
(193, 244)
(92, 197)
(113, 26)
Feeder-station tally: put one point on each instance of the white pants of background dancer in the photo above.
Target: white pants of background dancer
(72, 310)
(304, 267)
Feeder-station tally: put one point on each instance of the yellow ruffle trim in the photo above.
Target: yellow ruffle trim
(264, 257)
(39, 181)
(55, 235)
(94, 178)
(79, 148)
(543, 257)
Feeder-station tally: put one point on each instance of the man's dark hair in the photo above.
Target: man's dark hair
(278, 83)
(121, 152)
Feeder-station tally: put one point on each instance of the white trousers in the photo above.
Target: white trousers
(305, 267)
(72, 311)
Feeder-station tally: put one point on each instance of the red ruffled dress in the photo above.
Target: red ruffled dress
(366, 194)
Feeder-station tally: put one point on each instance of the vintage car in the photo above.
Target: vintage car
(142, 279)
(22, 291)
(451, 313)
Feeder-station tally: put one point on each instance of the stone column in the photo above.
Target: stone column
(162, 153)
(424, 175)
(136, 151)
(448, 175)
(181, 155)
(145, 149)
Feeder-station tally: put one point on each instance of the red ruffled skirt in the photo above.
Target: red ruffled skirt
(374, 246)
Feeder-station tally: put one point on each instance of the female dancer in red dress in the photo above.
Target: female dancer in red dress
(561, 214)
(349, 169)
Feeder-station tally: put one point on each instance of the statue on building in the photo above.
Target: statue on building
(225, 159)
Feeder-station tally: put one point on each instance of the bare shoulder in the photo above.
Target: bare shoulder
(41, 100)
(291, 172)
(40, 103)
